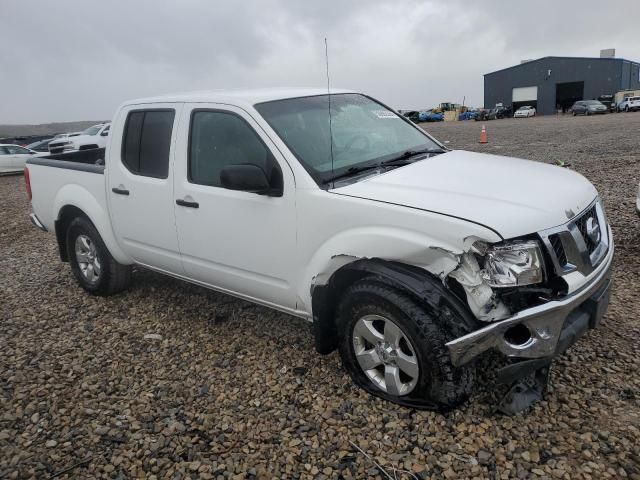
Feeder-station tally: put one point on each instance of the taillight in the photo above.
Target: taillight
(27, 182)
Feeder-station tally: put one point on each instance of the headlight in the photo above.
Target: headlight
(513, 264)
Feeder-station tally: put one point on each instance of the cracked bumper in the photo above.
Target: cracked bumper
(554, 326)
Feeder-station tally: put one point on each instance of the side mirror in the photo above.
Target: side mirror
(248, 178)
(105, 133)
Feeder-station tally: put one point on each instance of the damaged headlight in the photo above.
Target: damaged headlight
(512, 264)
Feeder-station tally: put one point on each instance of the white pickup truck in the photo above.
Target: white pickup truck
(411, 259)
(92, 137)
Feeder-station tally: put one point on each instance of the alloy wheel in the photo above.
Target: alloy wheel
(87, 258)
(385, 355)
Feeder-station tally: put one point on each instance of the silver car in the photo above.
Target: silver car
(588, 107)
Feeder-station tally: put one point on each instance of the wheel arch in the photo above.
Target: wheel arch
(72, 201)
(423, 286)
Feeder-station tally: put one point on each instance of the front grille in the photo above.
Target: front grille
(558, 248)
(581, 223)
(580, 244)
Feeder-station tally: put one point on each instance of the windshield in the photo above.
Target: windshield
(364, 132)
(592, 102)
(92, 130)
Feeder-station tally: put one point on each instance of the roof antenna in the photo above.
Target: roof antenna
(326, 56)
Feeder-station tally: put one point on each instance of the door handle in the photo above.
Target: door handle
(186, 203)
(120, 191)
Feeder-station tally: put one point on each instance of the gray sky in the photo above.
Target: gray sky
(78, 59)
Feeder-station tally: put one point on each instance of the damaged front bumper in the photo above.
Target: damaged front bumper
(541, 333)
(545, 330)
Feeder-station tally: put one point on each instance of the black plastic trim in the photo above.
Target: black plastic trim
(81, 167)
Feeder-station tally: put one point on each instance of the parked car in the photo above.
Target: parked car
(499, 113)
(525, 112)
(41, 147)
(608, 101)
(588, 107)
(93, 137)
(14, 156)
(482, 114)
(412, 115)
(411, 259)
(60, 141)
(629, 104)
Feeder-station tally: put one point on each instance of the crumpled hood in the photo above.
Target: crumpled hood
(512, 196)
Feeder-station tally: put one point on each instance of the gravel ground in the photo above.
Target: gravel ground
(233, 390)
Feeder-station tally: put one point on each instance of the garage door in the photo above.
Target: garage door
(525, 94)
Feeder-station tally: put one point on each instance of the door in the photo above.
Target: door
(234, 240)
(140, 184)
(16, 156)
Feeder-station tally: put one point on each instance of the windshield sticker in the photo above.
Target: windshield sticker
(384, 114)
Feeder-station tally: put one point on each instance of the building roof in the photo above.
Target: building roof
(237, 97)
(564, 58)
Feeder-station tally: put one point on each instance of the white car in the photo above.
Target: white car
(411, 259)
(92, 137)
(14, 157)
(629, 104)
(526, 111)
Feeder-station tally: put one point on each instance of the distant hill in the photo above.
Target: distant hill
(44, 128)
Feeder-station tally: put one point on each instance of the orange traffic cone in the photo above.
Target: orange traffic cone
(483, 135)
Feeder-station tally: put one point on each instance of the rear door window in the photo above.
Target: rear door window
(147, 142)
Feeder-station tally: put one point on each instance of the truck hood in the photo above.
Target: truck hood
(511, 196)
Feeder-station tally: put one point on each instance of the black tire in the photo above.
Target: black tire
(440, 385)
(113, 276)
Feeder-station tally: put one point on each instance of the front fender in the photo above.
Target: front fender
(394, 244)
(81, 198)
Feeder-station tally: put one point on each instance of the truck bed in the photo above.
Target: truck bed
(67, 179)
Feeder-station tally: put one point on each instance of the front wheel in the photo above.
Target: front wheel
(91, 263)
(395, 349)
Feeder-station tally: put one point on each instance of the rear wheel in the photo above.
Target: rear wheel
(91, 263)
(395, 349)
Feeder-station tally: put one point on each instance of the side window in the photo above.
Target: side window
(15, 150)
(218, 139)
(4, 151)
(147, 142)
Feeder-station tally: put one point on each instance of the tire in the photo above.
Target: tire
(91, 263)
(437, 384)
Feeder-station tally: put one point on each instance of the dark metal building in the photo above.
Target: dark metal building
(555, 83)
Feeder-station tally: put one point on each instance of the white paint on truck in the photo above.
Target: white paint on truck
(253, 199)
